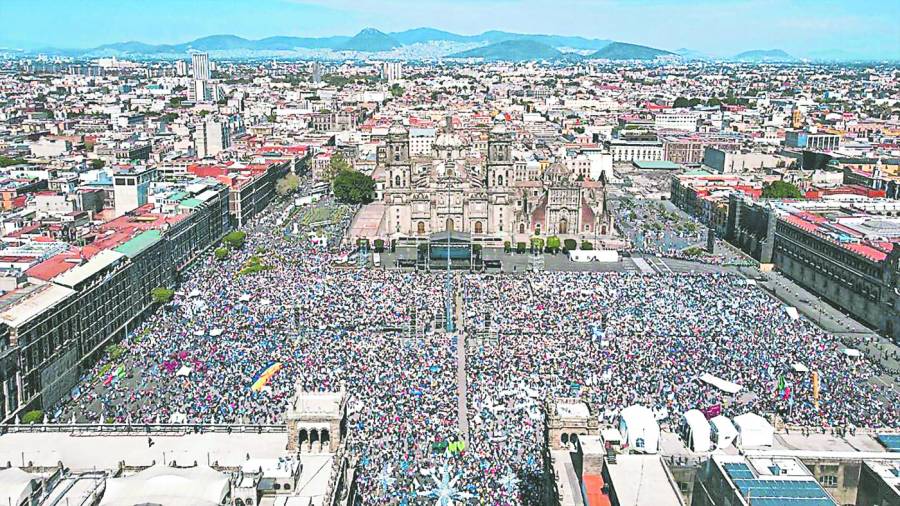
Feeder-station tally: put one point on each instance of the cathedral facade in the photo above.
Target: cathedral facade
(447, 191)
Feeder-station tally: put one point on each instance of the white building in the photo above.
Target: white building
(211, 138)
(629, 151)
(131, 189)
(200, 65)
(48, 148)
(421, 141)
(679, 119)
(392, 71)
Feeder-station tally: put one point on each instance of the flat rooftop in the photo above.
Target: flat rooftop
(641, 480)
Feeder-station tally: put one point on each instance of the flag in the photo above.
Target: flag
(781, 385)
(262, 378)
(815, 388)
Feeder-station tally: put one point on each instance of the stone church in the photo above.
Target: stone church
(483, 197)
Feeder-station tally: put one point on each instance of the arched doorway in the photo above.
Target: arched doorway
(313, 437)
(326, 439)
(563, 226)
(479, 228)
(521, 228)
(448, 226)
(420, 228)
(302, 437)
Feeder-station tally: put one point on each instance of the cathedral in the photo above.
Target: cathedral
(486, 198)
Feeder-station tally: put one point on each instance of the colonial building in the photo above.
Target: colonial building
(487, 198)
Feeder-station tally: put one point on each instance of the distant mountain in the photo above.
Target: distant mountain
(625, 51)
(764, 56)
(422, 35)
(691, 54)
(369, 40)
(513, 50)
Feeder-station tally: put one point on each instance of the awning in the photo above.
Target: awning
(798, 367)
(851, 352)
(721, 384)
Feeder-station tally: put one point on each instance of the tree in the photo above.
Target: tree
(353, 187)
(507, 246)
(586, 245)
(520, 247)
(221, 253)
(287, 184)
(336, 165)
(397, 90)
(162, 295)
(781, 190)
(33, 416)
(570, 244)
(553, 244)
(235, 239)
(97, 164)
(537, 244)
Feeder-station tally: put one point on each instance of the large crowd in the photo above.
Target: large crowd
(611, 339)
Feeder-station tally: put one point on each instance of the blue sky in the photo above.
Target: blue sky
(719, 27)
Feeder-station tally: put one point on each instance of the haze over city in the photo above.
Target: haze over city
(804, 28)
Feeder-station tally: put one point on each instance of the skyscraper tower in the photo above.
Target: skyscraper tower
(200, 64)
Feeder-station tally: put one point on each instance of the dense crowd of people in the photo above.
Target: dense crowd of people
(612, 339)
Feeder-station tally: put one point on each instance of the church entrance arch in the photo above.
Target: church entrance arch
(448, 226)
(563, 226)
(420, 228)
(479, 229)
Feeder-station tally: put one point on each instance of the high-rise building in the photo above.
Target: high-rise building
(200, 65)
(392, 71)
(316, 72)
(181, 68)
(212, 137)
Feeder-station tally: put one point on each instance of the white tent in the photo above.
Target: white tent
(698, 431)
(723, 431)
(792, 312)
(639, 429)
(799, 367)
(851, 352)
(600, 255)
(16, 486)
(753, 431)
(184, 371)
(721, 384)
(215, 332)
(172, 486)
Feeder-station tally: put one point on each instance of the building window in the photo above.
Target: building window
(420, 228)
(829, 480)
(397, 181)
(478, 228)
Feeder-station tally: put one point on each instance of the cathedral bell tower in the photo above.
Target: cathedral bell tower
(499, 161)
(395, 157)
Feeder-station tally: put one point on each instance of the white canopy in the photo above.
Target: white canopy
(792, 312)
(753, 431)
(799, 367)
(851, 352)
(216, 332)
(639, 429)
(698, 437)
(15, 485)
(600, 255)
(723, 431)
(184, 371)
(172, 486)
(721, 384)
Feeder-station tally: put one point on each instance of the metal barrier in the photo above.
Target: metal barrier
(137, 428)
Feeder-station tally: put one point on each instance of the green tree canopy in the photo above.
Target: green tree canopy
(353, 187)
(337, 165)
(161, 294)
(781, 190)
(33, 416)
(235, 239)
(287, 184)
(97, 164)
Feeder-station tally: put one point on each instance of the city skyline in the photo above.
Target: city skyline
(800, 27)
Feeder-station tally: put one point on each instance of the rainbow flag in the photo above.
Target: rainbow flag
(262, 378)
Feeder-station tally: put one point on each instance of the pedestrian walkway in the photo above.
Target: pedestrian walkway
(462, 408)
